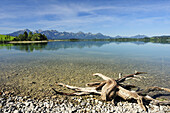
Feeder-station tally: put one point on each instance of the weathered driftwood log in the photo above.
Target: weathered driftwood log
(110, 88)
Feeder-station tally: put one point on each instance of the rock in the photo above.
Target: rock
(9, 100)
(46, 104)
(93, 111)
(10, 103)
(96, 101)
(6, 92)
(12, 108)
(100, 102)
(91, 96)
(73, 98)
(32, 82)
(74, 109)
(32, 106)
(64, 105)
(16, 111)
(53, 97)
(83, 103)
(120, 104)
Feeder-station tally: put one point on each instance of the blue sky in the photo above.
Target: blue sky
(110, 17)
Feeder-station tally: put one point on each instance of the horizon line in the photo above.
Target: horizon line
(87, 33)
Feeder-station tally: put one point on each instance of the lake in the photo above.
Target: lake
(33, 69)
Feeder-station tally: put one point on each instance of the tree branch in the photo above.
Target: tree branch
(122, 79)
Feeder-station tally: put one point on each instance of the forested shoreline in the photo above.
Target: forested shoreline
(35, 37)
(23, 37)
(30, 37)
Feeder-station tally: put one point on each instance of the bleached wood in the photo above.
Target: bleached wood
(110, 88)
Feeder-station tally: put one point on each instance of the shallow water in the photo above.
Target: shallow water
(34, 68)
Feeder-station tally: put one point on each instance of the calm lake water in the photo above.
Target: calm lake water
(35, 68)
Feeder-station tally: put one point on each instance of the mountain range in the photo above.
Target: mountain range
(54, 34)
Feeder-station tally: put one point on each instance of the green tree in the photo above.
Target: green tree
(16, 38)
(33, 38)
(25, 36)
(44, 37)
(8, 37)
(21, 37)
(30, 36)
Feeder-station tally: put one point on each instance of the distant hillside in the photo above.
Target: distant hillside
(19, 32)
(136, 36)
(164, 36)
(54, 34)
(6, 37)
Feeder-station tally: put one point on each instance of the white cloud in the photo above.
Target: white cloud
(67, 17)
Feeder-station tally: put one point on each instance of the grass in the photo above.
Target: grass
(6, 38)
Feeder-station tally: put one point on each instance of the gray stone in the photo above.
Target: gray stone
(16, 111)
(9, 99)
(83, 103)
(100, 102)
(91, 96)
(96, 101)
(47, 105)
(93, 111)
(27, 104)
(74, 109)
(79, 100)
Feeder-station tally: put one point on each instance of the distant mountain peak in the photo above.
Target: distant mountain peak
(118, 36)
(80, 32)
(99, 34)
(26, 30)
(54, 34)
(138, 36)
(19, 32)
(37, 31)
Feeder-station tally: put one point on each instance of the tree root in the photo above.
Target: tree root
(110, 88)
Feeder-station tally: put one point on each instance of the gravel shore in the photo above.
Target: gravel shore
(25, 104)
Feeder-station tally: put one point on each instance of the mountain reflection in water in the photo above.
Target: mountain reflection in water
(30, 47)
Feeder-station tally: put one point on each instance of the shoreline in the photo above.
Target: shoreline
(43, 41)
(15, 42)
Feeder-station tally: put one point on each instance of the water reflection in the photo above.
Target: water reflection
(59, 45)
(30, 47)
(24, 47)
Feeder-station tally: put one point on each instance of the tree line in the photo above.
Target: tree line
(30, 37)
(7, 37)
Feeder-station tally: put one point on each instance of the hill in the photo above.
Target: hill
(6, 38)
(17, 33)
(136, 36)
(54, 34)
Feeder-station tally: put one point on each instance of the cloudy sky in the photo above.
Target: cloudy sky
(110, 17)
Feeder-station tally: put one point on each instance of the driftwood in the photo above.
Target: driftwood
(110, 88)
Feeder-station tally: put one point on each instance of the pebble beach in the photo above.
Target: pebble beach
(26, 104)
